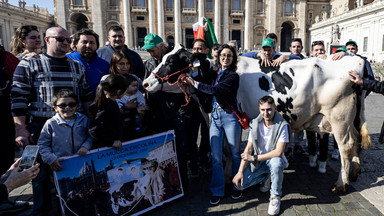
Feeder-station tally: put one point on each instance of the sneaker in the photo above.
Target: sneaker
(335, 154)
(266, 185)
(322, 167)
(214, 200)
(12, 207)
(274, 205)
(236, 194)
(312, 160)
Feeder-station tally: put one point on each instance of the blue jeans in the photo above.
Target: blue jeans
(273, 166)
(228, 123)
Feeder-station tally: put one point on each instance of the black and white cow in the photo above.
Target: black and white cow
(311, 94)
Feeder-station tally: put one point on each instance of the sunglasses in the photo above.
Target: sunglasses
(63, 105)
(61, 39)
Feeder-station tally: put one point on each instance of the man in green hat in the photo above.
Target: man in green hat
(351, 46)
(157, 48)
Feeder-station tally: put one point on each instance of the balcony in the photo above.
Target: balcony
(189, 11)
(237, 13)
(114, 8)
(139, 10)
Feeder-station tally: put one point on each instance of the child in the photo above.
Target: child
(55, 138)
(132, 105)
(66, 133)
(107, 125)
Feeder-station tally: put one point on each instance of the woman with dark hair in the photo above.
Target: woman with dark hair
(223, 120)
(26, 42)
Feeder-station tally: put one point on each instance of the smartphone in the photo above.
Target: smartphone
(29, 156)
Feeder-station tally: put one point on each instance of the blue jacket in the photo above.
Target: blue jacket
(254, 55)
(94, 69)
(58, 139)
(137, 66)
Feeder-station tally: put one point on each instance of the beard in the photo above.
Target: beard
(88, 55)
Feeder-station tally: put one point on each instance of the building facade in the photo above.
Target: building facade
(361, 21)
(247, 21)
(12, 17)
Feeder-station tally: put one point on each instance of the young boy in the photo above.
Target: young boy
(132, 105)
(66, 133)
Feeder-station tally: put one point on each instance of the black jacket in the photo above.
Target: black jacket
(374, 86)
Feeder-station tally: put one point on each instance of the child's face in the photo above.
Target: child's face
(123, 66)
(132, 88)
(66, 107)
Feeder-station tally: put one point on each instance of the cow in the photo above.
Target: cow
(311, 94)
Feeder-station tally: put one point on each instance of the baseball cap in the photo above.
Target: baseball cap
(341, 49)
(151, 40)
(351, 42)
(268, 42)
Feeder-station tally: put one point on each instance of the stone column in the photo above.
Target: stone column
(302, 13)
(271, 13)
(160, 18)
(217, 21)
(225, 22)
(177, 8)
(151, 18)
(97, 14)
(61, 19)
(248, 25)
(200, 5)
(127, 24)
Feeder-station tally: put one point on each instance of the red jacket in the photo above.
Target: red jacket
(10, 63)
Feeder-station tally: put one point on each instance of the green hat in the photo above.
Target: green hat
(351, 42)
(268, 42)
(151, 40)
(153, 163)
(341, 49)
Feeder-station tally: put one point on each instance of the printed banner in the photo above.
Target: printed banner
(141, 176)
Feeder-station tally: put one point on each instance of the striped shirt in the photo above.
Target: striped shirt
(37, 79)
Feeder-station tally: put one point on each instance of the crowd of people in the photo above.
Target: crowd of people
(100, 92)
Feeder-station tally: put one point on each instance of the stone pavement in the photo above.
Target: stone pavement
(306, 192)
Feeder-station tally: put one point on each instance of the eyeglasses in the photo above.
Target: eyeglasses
(226, 56)
(61, 39)
(63, 105)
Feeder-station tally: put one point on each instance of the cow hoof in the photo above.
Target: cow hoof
(338, 190)
(354, 175)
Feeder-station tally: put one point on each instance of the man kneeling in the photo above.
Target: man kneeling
(269, 133)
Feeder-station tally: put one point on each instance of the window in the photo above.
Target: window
(113, 16)
(113, 3)
(140, 18)
(260, 6)
(189, 4)
(209, 5)
(288, 8)
(236, 5)
(170, 4)
(236, 21)
(310, 16)
(259, 39)
(140, 3)
(78, 2)
(365, 46)
(382, 45)
(170, 19)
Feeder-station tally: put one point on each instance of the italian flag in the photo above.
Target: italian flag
(204, 30)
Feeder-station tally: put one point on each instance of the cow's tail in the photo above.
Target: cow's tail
(365, 138)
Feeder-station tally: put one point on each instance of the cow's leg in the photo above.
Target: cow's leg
(356, 170)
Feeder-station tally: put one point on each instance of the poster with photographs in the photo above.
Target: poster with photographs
(141, 176)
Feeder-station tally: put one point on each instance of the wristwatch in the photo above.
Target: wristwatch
(254, 158)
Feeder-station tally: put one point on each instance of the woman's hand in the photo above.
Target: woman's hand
(189, 81)
(117, 144)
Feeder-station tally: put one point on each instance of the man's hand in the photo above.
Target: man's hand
(189, 81)
(23, 137)
(264, 60)
(355, 77)
(117, 144)
(55, 166)
(247, 157)
(82, 151)
(18, 178)
(238, 177)
(338, 56)
(31, 54)
(280, 60)
(322, 56)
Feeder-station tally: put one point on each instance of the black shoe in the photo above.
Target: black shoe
(236, 194)
(214, 200)
(12, 207)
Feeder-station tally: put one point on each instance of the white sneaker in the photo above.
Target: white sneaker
(322, 167)
(312, 160)
(335, 154)
(274, 205)
(266, 185)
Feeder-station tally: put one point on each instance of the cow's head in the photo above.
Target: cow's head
(176, 60)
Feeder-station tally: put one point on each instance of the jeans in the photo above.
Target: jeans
(222, 122)
(274, 166)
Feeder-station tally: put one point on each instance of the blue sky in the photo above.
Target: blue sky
(41, 3)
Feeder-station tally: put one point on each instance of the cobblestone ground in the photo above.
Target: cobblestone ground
(306, 192)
